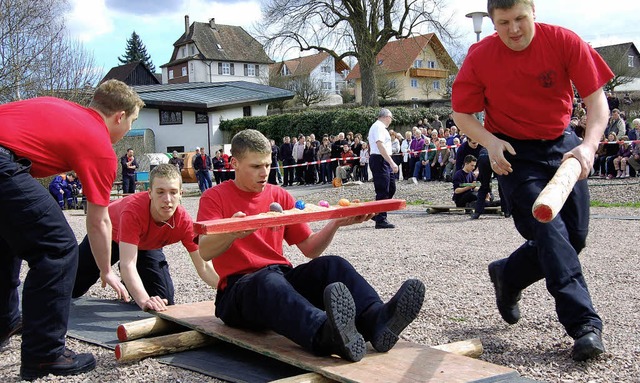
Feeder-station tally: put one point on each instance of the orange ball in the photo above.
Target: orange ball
(344, 202)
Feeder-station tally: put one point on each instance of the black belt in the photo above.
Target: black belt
(6, 153)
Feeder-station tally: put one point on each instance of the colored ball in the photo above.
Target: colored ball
(356, 201)
(344, 202)
(323, 203)
(300, 204)
(275, 207)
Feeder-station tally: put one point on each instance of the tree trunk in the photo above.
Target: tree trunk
(368, 80)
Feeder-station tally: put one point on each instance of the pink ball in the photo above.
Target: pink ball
(323, 203)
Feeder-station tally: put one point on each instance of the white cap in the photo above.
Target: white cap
(197, 148)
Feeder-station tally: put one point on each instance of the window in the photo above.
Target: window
(184, 70)
(193, 50)
(257, 69)
(326, 85)
(184, 51)
(380, 62)
(631, 62)
(417, 64)
(202, 118)
(431, 64)
(170, 74)
(169, 117)
(436, 85)
(225, 69)
(285, 71)
(414, 83)
(325, 69)
(249, 70)
(179, 149)
(392, 84)
(246, 111)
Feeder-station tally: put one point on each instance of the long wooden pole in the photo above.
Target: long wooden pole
(161, 345)
(554, 195)
(147, 327)
(469, 347)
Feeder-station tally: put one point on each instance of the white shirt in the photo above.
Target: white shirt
(379, 132)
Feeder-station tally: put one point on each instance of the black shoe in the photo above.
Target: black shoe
(587, 345)
(397, 314)
(69, 363)
(346, 341)
(16, 329)
(506, 299)
(475, 216)
(384, 225)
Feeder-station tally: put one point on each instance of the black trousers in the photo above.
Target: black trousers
(384, 182)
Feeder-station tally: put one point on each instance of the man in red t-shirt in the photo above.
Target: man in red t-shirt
(323, 305)
(38, 138)
(522, 78)
(142, 224)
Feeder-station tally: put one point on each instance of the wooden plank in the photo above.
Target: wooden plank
(146, 327)
(310, 377)
(406, 362)
(228, 225)
(161, 345)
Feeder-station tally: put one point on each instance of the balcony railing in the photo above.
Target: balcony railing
(428, 72)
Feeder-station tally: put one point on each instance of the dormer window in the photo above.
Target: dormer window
(219, 47)
(380, 62)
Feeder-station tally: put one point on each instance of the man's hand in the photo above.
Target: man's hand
(154, 303)
(240, 234)
(585, 155)
(496, 149)
(353, 219)
(113, 280)
(395, 168)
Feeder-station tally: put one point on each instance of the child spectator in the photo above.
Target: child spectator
(620, 162)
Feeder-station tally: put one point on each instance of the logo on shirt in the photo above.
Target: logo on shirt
(547, 79)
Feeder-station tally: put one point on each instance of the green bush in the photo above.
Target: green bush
(328, 121)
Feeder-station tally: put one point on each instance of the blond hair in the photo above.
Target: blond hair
(166, 171)
(249, 140)
(114, 96)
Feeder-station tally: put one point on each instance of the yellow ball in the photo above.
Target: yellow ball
(344, 202)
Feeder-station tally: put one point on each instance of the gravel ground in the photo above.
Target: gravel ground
(449, 253)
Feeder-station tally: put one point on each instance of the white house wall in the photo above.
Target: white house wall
(189, 134)
(198, 71)
(318, 75)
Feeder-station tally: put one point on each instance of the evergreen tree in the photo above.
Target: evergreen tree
(136, 51)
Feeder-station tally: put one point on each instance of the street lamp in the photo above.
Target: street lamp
(477, 22)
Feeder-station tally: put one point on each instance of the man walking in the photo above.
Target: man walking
(382, 165)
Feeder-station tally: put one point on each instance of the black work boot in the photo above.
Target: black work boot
(339, 335)
(397, 314)
(506, 298)
(587, 344)
(13, 330)
(69, 363)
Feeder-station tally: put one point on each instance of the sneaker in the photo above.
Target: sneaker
(475, 216)
(384, 225)
(69, 363)
(16, 329)
(506, 299)
(397, 314)
(587, 345)
(414, 180)
(346, 341)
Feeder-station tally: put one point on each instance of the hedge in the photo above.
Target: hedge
(319, 122)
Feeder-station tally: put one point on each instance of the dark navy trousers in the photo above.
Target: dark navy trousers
(34, 229)
(551, 250)
(152, 267)
(484, 177)
(384, 182)
(290, 302)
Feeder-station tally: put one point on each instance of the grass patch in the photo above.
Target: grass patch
(621, 204)
(457, 319)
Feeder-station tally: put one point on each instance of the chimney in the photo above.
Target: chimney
(186, 25)
(212, 23)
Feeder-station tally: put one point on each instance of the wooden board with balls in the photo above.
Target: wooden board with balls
(303, 212)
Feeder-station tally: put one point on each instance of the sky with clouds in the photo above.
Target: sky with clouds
(103, 26)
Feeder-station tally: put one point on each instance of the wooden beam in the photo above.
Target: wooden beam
(310, 377)
(161, 345)
(147, 327)
(470, 347)
(554, 195)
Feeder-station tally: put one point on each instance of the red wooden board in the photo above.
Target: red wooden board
(229, 225)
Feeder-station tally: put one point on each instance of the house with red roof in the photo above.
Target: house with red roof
(417, 66)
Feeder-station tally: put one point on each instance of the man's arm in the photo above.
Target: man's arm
(214, 245)
(205, 269)
(99, 232)
(597, 117)
(496, 147)
(386, 156)
(130, 276)
(317, 242)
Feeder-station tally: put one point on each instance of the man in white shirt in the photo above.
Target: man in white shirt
(382, 165)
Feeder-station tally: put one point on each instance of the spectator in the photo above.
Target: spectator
(363, 168)
(202, 165)
(449, 123)
(599, 157)
(193, 162)
(610, 152)
(405, 148)
(56, 189)
(324, 156)
(453, 134)
(298, 155)
(286, 155)
(309, 157)
(470, 146)
(176, 161)
(275, 167)
(613, 102)
(436, 124)
(451, 163)
(440, 158)
(616, 124)
(627, 99)
(336, 151)
(396, 154)
(415, 149)
(72, 189)
(218, 166)
(634, 159)
(344, 170)
(622, 157)
(129, 166)
(464, 183)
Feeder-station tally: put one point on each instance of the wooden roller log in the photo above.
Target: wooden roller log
(147, 327)
(470, 347)
(554, 195)
(161, 345)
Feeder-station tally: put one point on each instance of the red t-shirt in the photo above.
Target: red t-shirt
(528, 94)
(58, 136)
(132, 223)
(264, 246)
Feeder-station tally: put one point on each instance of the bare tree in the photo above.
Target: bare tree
(307, 90)
(357, 28)
(36, 57)
(617, 57)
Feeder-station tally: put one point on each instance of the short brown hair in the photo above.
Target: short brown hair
(113, 96)
(249, 140)
(492, 5)
(167, 171)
